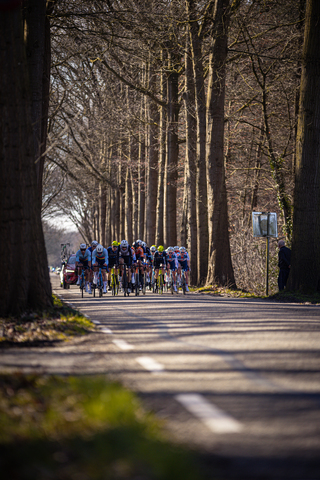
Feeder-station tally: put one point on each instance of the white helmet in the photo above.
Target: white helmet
(182, 249)
(176, 248)
(139, 242)
(152, 249)
(94, 243)
(144, 244)
(170, 249)
(124, 244)
(99, 248)
(83, 246)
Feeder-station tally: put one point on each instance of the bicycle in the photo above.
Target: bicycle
(114, 281)
(160, 282)
(183, 281)
(170, 285)
(135, 281)
(82, 282)
(125, 281)
(100, 282)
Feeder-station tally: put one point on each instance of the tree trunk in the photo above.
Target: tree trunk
(201, 182)
(152, 162)
(171, 173)
(191, 140)
(220, 269)
(305, 261)
(25, 282)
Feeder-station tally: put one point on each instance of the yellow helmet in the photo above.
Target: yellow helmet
(160, 248)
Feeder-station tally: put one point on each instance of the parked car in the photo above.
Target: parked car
(68, 275)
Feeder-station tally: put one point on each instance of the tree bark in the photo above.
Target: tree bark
(25, 282)
(191, 141)
(220, 269)
(201, 181)
(305, 261)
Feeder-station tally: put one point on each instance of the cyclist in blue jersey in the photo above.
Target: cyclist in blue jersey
(184, 262)
(100, 260)
(173, 265)
(94, 244)
(83, 260)
(113, 257)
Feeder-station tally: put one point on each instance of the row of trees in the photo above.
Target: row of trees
(174, 120)
(168, 120)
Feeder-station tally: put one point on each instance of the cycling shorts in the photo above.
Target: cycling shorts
(112, 262)
(172, 265)
(184, 265)
(157, 262)
(101, 264)
(84, 264)
(127, 260)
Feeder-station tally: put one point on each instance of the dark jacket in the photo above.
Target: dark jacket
(284, 258)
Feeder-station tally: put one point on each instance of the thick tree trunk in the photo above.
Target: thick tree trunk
(191, 137)
(128, 206)
(171, 173)
(159, 237)
(36, 31)
(220, 269)
(305, 261)
(141, 185)
(201, 181)
(152, 163)
(25, 282)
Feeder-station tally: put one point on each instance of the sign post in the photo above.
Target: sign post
(264, 224)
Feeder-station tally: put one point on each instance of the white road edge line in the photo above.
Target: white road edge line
(150, 364)
(123, 344)
(215, 419)
(105, 330)
(96, 322)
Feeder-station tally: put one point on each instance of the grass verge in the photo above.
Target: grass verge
(283, 296)
(83, 428)
(60, 323)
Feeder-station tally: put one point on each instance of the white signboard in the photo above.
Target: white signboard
(264, 224)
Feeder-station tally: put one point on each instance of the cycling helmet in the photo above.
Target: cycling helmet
(153, 248)
(170, 249)
(115, 243)
(83, 246)
(160, 248)
(143, 244)
(99, 248)
(182, 249)
(176, 248)
(124, 244)
(94, 243)
(138, 243)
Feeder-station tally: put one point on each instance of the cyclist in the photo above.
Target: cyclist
(140, 257)
(184, 262)
(94, 244)
(160, 258)
(148, 258)
(125, 257)
(83, 260)
(100, 260)
(173, 265)
(113, 256)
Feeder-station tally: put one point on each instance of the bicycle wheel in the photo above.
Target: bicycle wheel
(136, 289)
(183, 284)
(171, 283)
(161, 284)
(124, 281)
(113, 284)
(144, 279)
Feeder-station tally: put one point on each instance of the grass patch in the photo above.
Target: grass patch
(296, 297)
(83, 428)
(59, 323)
(225, 292)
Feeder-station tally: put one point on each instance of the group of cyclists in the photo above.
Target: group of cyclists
(138, 258)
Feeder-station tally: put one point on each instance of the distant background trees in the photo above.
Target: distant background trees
(130, 128)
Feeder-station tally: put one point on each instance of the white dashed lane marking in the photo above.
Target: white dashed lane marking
(150, 364)
(215, 419)
(105, 330)
(123, 344)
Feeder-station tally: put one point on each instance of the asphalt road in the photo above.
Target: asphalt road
(236, 379)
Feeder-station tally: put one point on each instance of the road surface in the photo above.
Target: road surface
(239, 380)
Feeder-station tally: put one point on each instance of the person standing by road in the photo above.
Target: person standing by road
(284, 264)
